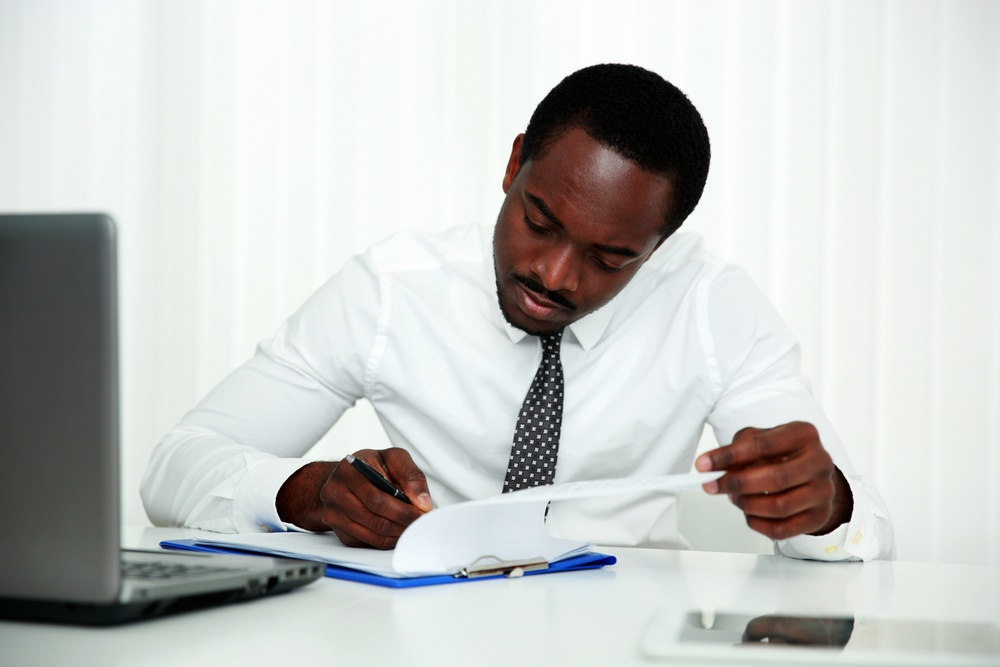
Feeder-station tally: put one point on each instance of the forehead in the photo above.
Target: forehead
(586, 181)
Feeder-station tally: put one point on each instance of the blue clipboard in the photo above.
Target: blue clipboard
(590, 560)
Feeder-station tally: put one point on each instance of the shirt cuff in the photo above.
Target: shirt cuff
(254, 509)
(856, 540)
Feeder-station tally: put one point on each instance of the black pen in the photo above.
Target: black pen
(376, 478)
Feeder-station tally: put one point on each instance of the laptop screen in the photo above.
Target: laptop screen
(59, 407)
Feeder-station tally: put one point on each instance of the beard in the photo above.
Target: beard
(531, 286)
(534, 287)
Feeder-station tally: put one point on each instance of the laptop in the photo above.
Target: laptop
(60, 557)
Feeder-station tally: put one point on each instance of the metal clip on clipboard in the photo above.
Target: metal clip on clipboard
(495, 566)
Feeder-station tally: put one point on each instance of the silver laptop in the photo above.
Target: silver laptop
(61, 558)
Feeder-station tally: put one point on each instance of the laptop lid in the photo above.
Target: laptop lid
(59, 470)
(59, 408)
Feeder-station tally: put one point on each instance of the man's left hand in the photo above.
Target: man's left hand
(783, 479)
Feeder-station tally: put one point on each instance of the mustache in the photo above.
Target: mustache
(555, 298)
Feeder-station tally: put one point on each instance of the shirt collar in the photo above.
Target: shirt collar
(587, 330)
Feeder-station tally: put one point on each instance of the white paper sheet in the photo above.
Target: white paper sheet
(511, 526)
(508, 527)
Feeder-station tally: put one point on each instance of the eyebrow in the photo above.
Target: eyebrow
(547, 212)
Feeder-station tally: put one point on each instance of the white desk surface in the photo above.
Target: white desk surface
(625, 614)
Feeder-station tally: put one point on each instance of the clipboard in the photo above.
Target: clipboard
(484, 568)
(510, 526)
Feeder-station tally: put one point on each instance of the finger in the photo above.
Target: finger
(369, 505)
(352, 521)
(355, 535)
(353, 506)
(404, 473)
(777, 476)
(786, 504)
(781, 529)
(757, 629)
(752, 444)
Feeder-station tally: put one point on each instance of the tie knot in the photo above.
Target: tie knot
(550, 343)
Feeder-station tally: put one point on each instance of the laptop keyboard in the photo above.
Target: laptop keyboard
(158, 571)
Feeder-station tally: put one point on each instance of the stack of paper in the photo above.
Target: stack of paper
(448, 540)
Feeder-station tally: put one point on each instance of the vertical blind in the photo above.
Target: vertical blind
(248, 148)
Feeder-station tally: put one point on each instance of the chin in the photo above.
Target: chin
(518, 320)
(537, 330)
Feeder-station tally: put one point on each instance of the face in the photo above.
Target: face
(577, 223)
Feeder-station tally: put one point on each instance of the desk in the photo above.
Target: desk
(616, 616)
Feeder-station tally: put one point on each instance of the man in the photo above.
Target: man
(641, 335)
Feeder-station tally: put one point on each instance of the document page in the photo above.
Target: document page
(507, 527)
(511, 526)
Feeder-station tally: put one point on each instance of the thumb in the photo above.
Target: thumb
(410, 479)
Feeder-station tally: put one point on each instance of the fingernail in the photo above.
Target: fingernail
(711, 487)
(424, 502)
(703, 464)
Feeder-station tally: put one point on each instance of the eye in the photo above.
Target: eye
(538, 229)
(603, 266)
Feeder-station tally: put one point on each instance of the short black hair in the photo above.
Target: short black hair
(637, 114)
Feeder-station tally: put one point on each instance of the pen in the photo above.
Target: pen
(377, 479)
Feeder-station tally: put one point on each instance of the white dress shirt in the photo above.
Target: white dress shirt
(413, 326)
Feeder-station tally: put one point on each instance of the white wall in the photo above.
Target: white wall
(248, 148)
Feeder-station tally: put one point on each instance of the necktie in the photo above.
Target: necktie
(536, 438)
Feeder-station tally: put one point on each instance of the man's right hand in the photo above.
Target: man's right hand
(334, 496)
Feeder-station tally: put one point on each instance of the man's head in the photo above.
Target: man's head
(613, 160)
(638, 115)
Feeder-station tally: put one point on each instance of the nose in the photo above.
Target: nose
(557, 269)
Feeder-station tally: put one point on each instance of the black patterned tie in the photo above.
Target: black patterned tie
(536, 438)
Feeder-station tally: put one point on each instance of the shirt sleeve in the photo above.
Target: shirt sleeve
(867, 536)
(221, 467)
(754, 363)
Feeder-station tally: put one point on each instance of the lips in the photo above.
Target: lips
(534, 305)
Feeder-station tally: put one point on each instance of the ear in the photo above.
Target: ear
(514, 163)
